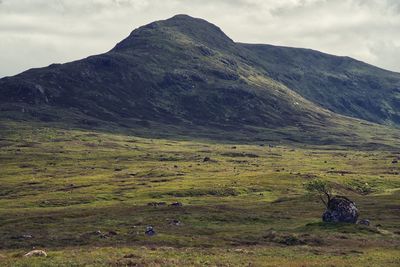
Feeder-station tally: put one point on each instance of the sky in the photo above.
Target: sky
(36, 33)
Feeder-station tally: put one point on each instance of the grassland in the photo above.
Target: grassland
(245, 206)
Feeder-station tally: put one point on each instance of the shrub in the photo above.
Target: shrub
(321, 188)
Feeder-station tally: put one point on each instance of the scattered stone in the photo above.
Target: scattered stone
(365, 222)
(206, 159)
(341, 209)
(102, 235)
(130, 256)
(150, 231)
(156, 204)
(36, 253)
(98, 233)
(240, 250)
(176, 204)
(175, 222)
(291, 240)
(112, 233)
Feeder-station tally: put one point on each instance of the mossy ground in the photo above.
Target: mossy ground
(245, 206)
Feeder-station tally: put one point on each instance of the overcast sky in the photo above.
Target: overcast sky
(36, 33)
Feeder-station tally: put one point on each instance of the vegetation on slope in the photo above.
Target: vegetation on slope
(340, 84)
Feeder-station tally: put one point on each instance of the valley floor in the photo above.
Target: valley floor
(86, 198)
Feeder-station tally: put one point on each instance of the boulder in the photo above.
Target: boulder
(36, 253)
(341, 209)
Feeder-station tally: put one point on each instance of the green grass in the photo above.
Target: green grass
(247, 205)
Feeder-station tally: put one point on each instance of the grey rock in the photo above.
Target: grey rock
(341, 209)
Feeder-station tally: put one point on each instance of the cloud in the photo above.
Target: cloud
(36, 33)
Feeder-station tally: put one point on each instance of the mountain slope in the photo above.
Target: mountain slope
(181, 72)
(340, 84)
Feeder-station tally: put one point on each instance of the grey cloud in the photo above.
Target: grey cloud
(36, 33)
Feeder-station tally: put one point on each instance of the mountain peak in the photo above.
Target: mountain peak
(183, 17)
(198, 30)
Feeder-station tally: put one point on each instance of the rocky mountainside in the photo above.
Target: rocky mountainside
(185, 72)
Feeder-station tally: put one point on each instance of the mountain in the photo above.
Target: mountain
(185, 73)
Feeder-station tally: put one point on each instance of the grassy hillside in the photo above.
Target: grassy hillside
(340, 84)
(245, 206)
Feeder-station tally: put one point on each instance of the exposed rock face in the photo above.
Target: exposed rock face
(341, 209)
